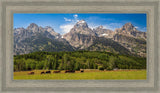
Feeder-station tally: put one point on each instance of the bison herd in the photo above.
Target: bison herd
(69, 71)
(49, 72)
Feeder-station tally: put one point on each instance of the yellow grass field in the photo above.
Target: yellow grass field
(86, 75)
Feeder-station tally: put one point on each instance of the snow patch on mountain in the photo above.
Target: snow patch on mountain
(81, 22)
(104, 34)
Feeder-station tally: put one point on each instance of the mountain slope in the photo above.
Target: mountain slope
(36, 38)
(109, 45)
(136, 46)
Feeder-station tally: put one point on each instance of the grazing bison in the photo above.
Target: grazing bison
(48, 72)
(69, 71)
(82, 70)
(43, 72)
(56, 71)
(30, 73)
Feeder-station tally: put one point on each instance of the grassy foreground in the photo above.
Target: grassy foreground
(87, 75)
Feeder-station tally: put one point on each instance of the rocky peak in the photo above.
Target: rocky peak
(80, 35)
(33, 27)
(48, 27)
(81, 23)
(102, 32)
(128, 27)
(81, 27)
(51, 31)
(18, 30)
(100, 27)
(129, 30)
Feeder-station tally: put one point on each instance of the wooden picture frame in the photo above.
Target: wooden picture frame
(150, 7)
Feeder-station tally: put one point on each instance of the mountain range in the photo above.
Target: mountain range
(126, 40)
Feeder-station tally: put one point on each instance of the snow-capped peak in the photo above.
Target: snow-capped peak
(101, 27)
(81, 22)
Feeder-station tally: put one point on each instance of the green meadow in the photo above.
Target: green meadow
(86, 75)
(96, 65)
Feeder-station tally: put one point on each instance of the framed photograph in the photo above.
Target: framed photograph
(79, 46)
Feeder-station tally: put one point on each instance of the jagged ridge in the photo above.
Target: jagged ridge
(125, 40)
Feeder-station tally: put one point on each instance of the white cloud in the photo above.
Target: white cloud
(136, 27)
(144, 29)
(75, 16)
(92, 25)
(66, 28)
(66, 19)
(113, 26)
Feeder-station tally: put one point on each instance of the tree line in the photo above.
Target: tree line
(76, 60)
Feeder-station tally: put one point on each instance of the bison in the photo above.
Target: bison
(69, 71)
(56, 71)
(43, 72)
(30, 73)
(48, 72)
(82, 70)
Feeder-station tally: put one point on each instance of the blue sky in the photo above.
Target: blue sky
(62, 23)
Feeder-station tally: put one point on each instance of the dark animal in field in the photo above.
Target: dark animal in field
(56, 71)
(43, 72)
(69, 71)
(48, 72)
(82, 70)
(30, 73)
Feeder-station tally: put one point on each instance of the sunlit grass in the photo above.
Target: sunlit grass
(87, 75)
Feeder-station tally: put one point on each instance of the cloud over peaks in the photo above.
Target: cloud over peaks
(70, 23)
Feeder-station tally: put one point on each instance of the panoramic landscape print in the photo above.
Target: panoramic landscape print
(81, 46)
